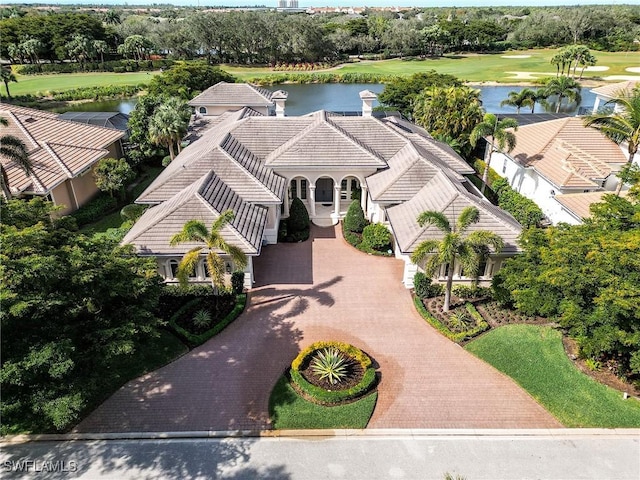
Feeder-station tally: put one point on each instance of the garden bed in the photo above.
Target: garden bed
(461, 323)
(496, 316)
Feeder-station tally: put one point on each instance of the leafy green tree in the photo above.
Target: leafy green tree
(448, 112)
(80, 48)
(70, 307)
(7, 76)
(499, 133)
(455, 247)
(13, 150)
(621, 126)
(169, 124)
(186, 80)
(214, 245)
(141, 146)
(136, 46)
(112, 175)
(563, 87)
(401, 91)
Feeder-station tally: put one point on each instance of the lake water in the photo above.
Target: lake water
(343, 97)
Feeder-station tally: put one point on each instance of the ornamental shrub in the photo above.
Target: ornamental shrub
(424, 288)
(354, 221)
(237, 282)
(377, 237)
(95, 209)
(132, 211)
(298, 217)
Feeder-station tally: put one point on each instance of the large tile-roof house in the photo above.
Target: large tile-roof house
(63, 155)
(559, 157)
(255, 165)
(223, 97)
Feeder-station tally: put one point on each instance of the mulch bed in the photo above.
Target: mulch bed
(218, 312)
(435, 304)
(356, 372)
(496, 316)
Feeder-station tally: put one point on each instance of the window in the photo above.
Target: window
(205, 269)
(354, 184)
(172, 269)
(294, 188)
(504, 166)
(303, 189)
(203, 110)
(482, 268)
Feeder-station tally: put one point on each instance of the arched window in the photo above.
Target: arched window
(202, 110)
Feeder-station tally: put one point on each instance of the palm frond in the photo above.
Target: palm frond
(432, 265)
(484, 238)
(226, 217)
(188, 264)
(468, 216)
(238, 256)
(423, 250)
(215, 264)
(192, 231)
(433, 217)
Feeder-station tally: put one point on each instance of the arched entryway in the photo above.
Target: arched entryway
(324, 191)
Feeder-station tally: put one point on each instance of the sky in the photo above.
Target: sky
(346, 3)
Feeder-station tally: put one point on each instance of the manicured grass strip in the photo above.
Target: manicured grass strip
(534, 357)
(288, 410)
(59, 82)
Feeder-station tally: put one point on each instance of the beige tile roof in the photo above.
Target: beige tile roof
(613, 90)
(58, 149)
(567, 153)
(447, 196)
(233, 94)
(579, 203)
(204, 200)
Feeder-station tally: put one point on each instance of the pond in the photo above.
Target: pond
(343, 97)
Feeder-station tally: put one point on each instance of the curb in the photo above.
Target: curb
(328, 434)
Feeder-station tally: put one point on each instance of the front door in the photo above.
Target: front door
(324, 190)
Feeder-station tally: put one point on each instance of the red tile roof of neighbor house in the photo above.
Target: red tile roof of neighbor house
(58, 149)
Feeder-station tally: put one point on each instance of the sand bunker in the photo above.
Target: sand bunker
(527, 75)
(515, 56)
(633, 69)
(596, 69)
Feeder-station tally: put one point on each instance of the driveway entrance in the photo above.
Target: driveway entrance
(322, 289)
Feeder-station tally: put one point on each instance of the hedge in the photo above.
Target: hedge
(354, 220)
(117, 66)
(523, 209)
(458, 337)
(95, 209)
(333, 396)
(195, 340)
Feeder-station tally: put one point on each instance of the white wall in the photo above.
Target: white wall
(213, 110)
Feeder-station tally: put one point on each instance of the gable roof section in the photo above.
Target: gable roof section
(371, 131)
(205, 200)
(579, 204)
(58, 149)
(614, 89)
(233, 94)
(443, 195)
(566, 152)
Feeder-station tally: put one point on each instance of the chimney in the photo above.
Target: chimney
(279, 97)
(367, 102)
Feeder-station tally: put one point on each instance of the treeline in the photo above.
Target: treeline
(269, 37)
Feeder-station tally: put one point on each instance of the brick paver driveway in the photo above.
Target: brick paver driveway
(316, 290)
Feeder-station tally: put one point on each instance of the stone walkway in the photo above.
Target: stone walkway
(317, 290)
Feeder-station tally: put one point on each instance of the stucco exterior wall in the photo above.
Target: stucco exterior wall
(168, 264)
(62, 196)
(84, 187)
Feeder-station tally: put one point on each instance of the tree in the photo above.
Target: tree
(214, 244)
(455, 247)
(564, 87)
(141, 146)
(537, 96)
(80, 48)
(187, 80)
(448, 112)
(136, 46)
(112, 17)
(112, 175)
(621, 126)
(71, 307)
(7, 76)
(100, 47)
(13, 150)
(354, 220)
(519, 99)
(497, 131)
(169, 124)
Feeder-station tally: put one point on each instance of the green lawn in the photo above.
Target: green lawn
(534, 357)
(470, 67)
(39, 84)
(289, 411)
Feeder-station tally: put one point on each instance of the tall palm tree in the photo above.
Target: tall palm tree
(7, 76)
(13, 149)
(519, 99)
(497, 131)
(169, 124)
(537, 96)
(621, 126)
(214, 242)
(455, 247)
(112, 17)
(564, 87)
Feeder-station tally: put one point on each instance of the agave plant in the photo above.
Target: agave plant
(329, 363)
(202, 318)
(459, 320)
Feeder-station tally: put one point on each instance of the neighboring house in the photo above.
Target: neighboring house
(63, 155)
(256, 164)
(559, 157)
(578, 205)
(611, 91)
(229, 97)
(115, 120)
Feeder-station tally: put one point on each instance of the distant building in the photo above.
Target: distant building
(293, 3)
(282, 3)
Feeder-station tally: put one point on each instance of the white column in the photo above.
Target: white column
(363, 198)
(286, 200)
(336, 200)
(312, 200)
(596, 105)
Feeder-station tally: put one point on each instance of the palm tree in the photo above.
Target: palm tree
(13, 149)
(537, 97)
(100, 47)
(214, 242)
(497, 131)
(7, 76)
(454, 247)
(621, 126)
(169, 124)
(112, 17)
(519, 99)
(564, 87)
